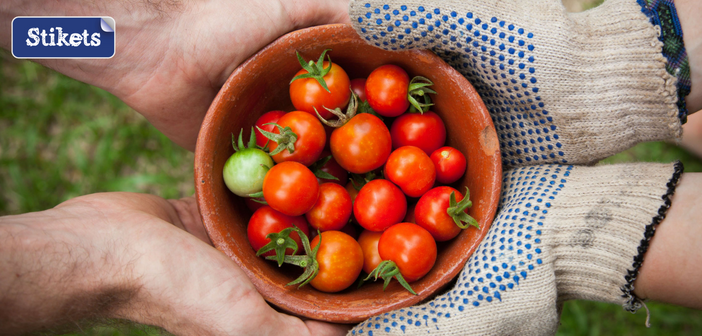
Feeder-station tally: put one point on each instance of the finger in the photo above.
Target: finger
(189, 215)
(324, 328)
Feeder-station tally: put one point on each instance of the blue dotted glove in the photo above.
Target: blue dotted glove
(561, 88)
(563, 232)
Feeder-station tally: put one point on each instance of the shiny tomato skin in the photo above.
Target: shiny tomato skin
(450, 164)
(267, 220)
(340, 261)
(332, 210)
(411, 247)
(290, 188)
(266, 118)
(386, 90)
(310, 142)
(430, 213)
(369, 244)
(358, 86)
(424, 130)
(362, 144)
(379, 205)
(411, 169)
(307, 94)
(333, 168)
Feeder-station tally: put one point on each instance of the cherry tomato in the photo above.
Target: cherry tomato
(332, 210)
(369, 244)
(307, 94)
(290, 188)
(426, 131)
(386, 90)
(411, 247)
(358, 86)
(267, 220)
(332, 168)
(431, 214)
(310, 138)
(379, 205)
(411, 169)
(450, 164)
(340, 261)
(266, 118)
(362, 144)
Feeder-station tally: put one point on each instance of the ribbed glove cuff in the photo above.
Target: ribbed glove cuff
(601, 227)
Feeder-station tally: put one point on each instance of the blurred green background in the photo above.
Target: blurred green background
(60, 138)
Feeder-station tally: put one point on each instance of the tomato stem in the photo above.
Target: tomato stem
(457, 211)
(316, 168)
(419, 86)
(343, 117)
(280, 241)
(387, 269)
(285, 138)
(307, 261)
(315, 71)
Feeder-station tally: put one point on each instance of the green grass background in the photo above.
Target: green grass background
(60, 138)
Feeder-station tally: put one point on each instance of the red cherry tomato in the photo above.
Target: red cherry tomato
(411, 169)
(386, 90)
(332, 210)
(266, 118)
(307, 94)
(332, 168)
(411, 247)
(340, 261)
(362, 144)
(358, 86)
(409, 217)
(369, 244)
(426, 131)
(450, 164)
(290, 188)
(430, 213)
(379, 205)
(267, 220)
(310, 138)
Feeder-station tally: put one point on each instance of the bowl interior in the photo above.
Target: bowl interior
(260, 85)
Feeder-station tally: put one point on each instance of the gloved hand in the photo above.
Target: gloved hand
(561, 88)
(562, 233)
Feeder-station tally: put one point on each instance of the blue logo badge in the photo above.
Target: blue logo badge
(63, 37)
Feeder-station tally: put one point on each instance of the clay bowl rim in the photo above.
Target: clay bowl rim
(301, 303)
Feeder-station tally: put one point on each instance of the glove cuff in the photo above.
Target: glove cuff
(603, 227)
(662, 13)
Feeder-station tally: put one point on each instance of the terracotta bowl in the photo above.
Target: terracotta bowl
(260, 85)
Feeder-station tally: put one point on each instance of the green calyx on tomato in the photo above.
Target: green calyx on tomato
(457, 211)
(315, 70)
(419, 87)
(285, 138)
(387, 269)
(245, 170)
(307, 261)
(280, 241)
(316, 168)
(343, 117)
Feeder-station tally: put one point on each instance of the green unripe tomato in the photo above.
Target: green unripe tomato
(244, 171)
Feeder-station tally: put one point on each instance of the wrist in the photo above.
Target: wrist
(58, 268)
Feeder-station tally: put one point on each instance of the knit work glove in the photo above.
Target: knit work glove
(562, 233)
(561, 88)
